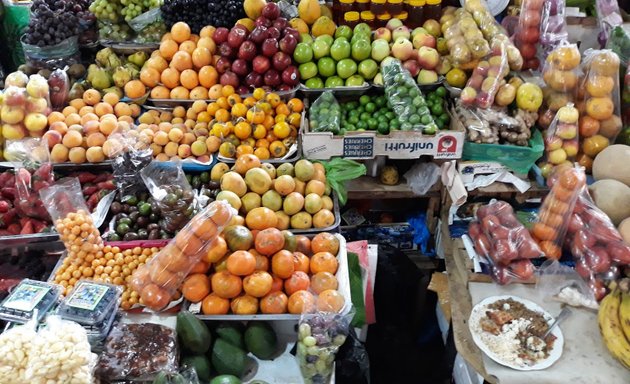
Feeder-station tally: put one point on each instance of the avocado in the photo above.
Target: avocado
(261, 340)
(201, 363)
(193, 333)
(232, 333)
(228, 359)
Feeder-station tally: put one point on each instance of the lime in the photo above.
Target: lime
(370, 107)
(441, 91)
(440, 124)
(353, 119)
(364, 99)
(365, 116)
(383, 128)
(350, 127)
(445, 118)
(430, 129)
(426, 119)
(394, 125)
(361, 125)
(414, 119)
(372, 123)
(406, 127)
(437, 109)
(390, 115)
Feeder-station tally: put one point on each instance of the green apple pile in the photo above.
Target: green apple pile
(342, 60)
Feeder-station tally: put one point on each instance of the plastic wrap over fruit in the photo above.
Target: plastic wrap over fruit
(464, 39)
(553, 29)
(325, 114)
(596, 245)
(159, 279)
(528, 32)
(487, 78)
(608, 17)
(560, 74)
(566, 183)
(406, 99)
(561, 139)
(59, 85)
(599, 100)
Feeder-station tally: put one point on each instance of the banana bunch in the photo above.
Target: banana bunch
(614, 322)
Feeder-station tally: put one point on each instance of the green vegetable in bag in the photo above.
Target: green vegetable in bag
(338, 171)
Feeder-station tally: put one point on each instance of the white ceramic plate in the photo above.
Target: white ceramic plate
(555, 353)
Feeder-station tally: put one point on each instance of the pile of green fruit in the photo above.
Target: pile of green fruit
(370, 113)
(225, 354)
(137, 217)
(436, 102)
(325, 114)
(344, 60)
(407, 101)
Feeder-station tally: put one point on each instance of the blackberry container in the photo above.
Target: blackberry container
(29, 298)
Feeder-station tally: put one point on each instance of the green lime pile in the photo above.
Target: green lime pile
(369, 113)
(325, 114)
(436, 102)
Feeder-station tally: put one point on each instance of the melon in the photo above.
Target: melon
(624, 229)
(612, 197)
(612, 163)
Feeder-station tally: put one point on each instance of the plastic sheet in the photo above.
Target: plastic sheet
(325, 114)
(562, 283)
(128, 163)
(553, 28)
(422, 176)
(138, 352)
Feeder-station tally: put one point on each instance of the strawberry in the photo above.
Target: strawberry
(14, 229)
(27, 228)
(7, 218)
(23, 182)
(44, 172)
(109, 185)
(4, 206)
(4, 178)
(102, 177)
(9, 192)
(85, 177)
(89, 190)
(4, 232)
(38, 226)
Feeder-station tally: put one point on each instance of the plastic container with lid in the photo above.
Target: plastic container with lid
(351, 19)
(344, 6)
(381, 20)
(362, 5)
(368, 18)
(90, 303)
(395, 7)
(433, 10)
(416, 13)
(377, 7)
(26, 298)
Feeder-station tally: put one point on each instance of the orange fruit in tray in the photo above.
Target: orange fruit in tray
(330, 301)
(323, 281)
(324, 262)
(269, 241)
(303, 244)
(196, 287)
(282, 264)
(262, 263)
(215, 305)
(324, 242)
(244, 305)
(277, 284)
(200, 267)
(241, 263)
(274, 303)
(301, 262)
(180, 32)
(261, 218)
(298, 281)
(301, 302)
(258, 284)
(217, 250)
(155, 297)
(226, 285)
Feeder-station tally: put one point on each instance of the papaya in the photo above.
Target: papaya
(232, 333)
(201, 363)
(226, 379)
(261, 340)
(193, 333)
(228, 359)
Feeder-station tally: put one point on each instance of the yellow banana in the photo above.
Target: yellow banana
(610, 328)
(624, 314)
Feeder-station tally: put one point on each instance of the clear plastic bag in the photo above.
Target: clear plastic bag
(140, 22)
(138, 352)
(487, 78)
(169, 187)
(319, 337)
(128, 161)
(566, 184)
(608, 17)
(596, 245)
(465, 41)
(528, 32)
(406, 99)
(14, 346)
(599, 91)
(157, 280)
(553, 28)
(562, 283)
(421, 177)
(33, 172)
(325, 114)
(59, 85)
(561, 139)
(560, 74)
(499, 236)
(66, 48)
(619, 42)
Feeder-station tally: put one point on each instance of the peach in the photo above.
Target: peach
(35, 122)
(91, 127)
(122, 109)
(55, 117)
(69, 110)
(59, 153)
(59, 126)
(73, 118)
(13, 131)
(95, 154)
(95, 139)
(198, 148)
(85, 110)
(88, 117)
(53, 138)
(183, 151)
(72, 139)
(161, 157)
(170, 149)
(103, 108)
(91, 96)
(176, 135)
(108, 126)
(77, 155)
(112, 147)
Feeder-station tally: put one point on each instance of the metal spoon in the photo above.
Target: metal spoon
(563, 315)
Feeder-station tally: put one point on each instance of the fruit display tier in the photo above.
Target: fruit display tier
(172, 103)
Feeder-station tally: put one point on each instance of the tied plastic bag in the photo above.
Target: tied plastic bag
(338, 171)
(325, 114)
(553, 28)
(421, 177)
(59, 85)
(406, 99)
(560, 74)
(159, 279)
(561, 283)
(599, 89)
(596, 245)
(173, 194)
(561, 139)
(319, 337)
(138, 352)
(528, 32)
(129, 160)
(566, 184)
(608, 17)
(33, 172)
(487, 78)
(469, 45)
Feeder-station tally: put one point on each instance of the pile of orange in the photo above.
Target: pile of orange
(182, 68)
(270, 272)
(79, 133)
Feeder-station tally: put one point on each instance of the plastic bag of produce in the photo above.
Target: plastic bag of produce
(494, 32)
(138, 352)
(325, 114)
(608, 17)
(160, 278)
(528, 32)
(33, 172)
(59, 85)
(596, 245)
(14, 347)
(53, 56)
(487, 78)
(338, 171)
(566, 184)
(319, 337)
(561, 283)
(560, 74)
(114, 32)
(128, 161)
(619, 42)
(601, 109)
(169, 187)
(140, 22)
(148, 26)
(561, 139)
(467, 45)
(406, 99)
(553, 28)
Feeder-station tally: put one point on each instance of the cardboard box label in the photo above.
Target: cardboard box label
(358, 147)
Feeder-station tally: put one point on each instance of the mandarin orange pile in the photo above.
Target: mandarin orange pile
(269, 271)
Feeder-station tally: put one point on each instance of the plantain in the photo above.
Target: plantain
(611, 329)
(624, 314)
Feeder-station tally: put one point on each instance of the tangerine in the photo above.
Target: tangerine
(323, 281)
(324, 262)
(244, 305)
(277, 285)
(282, 264)
(226, 285)
(258, 284)
(261, 218)
(215, 305)
(241, 263)
(262, 262)
(269, 241)
(155, 297)
(588, 126)
(180, 32)
(168, 48)
(298, 281)
(208, 77)
(330, 301)
(301, 262)
(196, 287)
(301, 302)
(274, 303)
(189, 79)
(324, 242)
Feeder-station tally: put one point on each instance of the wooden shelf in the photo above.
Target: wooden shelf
(366, 187)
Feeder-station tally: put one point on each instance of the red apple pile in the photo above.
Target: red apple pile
(504, 242)
(596, 245)
(262, 58)
(487, 78)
